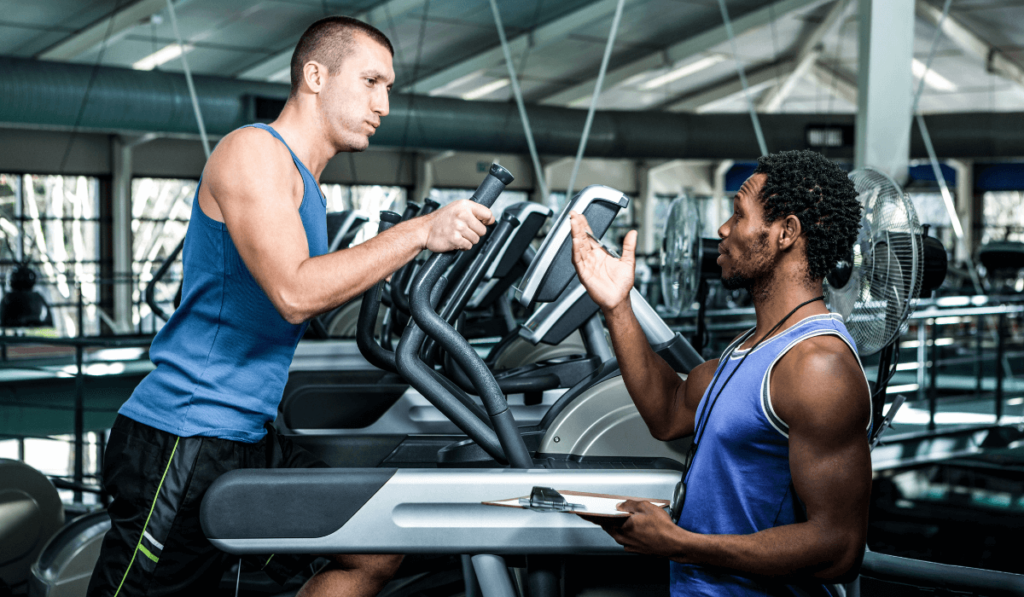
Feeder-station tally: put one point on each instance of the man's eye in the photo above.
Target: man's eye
(371, 81)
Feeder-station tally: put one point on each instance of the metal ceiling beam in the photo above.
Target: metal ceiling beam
(539, 37)
(809, 53)
(835, 81)
(756, 76)
(123, 19)
(995, 60)
(681, 50)
(378, 16)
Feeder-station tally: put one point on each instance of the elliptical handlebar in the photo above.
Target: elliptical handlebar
(400, 279)
(458, 297)
(150, 293)
(373, 352)
(429, 283)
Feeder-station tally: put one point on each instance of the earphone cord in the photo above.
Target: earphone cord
(702, 422)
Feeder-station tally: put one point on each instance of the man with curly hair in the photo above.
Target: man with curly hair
(779, 478)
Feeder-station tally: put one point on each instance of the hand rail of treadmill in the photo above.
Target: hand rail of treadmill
(919, 573)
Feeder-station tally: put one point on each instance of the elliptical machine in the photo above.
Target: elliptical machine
(439, 510)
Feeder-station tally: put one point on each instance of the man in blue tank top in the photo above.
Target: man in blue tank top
(780, 476)
(255, 271)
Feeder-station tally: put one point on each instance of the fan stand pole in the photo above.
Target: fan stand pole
(881, 383)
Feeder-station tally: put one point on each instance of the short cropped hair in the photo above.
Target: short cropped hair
(819, 193)
(329, 41)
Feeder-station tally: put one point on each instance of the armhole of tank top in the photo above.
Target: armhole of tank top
(766, 395)
(295, 161)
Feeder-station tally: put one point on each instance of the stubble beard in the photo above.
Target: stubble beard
(335, 130)
(758, 280)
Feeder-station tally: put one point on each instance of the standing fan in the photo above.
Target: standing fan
(681, 252)
(876, 288)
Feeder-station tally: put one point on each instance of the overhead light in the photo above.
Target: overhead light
(487, 89)
(455, 84)
(165, 54)
(931, 78)
(683, 71)
(282, 76)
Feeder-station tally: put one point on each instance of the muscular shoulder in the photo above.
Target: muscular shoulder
(250, 160)
(819, 383)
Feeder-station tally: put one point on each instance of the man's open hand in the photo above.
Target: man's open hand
(608, 280)
(648, 530)
(458, 225)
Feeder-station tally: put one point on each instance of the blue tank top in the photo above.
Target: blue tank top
(739, 481)
(222, 359)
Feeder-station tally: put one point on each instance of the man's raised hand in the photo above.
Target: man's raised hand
(608, 280)
(458, 225)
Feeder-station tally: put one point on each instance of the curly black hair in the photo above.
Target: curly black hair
(819, 193)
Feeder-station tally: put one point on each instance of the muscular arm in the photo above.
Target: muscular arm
(252, 184)
(666, 402)
(831, 471)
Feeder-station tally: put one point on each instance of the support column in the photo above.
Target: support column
(425, 174)
(720, 199)
(964, 205)
(884, 81)
(644, 210)
(121, 212)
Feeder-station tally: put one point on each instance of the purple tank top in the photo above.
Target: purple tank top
(739, 481)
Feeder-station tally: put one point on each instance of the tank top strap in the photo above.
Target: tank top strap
(270, 129)
(308, 180)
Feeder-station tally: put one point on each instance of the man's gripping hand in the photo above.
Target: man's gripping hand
(648, 530)
(458, 225)
(608, 280)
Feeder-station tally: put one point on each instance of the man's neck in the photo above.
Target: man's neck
(771, 306)
(302, 132)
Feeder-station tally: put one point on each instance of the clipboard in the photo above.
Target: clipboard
(546, 499)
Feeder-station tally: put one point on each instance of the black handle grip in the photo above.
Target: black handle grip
(492, 186)
(371, 351)
(429, 206)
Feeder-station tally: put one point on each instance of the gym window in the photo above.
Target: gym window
(161, 208)
(368, 199)
(52, 223)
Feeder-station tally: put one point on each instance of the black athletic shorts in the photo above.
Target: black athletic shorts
(156, 545)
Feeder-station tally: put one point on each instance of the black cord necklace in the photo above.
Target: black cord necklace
(702, 422)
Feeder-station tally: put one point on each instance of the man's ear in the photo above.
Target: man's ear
(791, 231)
(314, 75)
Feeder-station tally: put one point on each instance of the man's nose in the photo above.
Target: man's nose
(381, 105)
